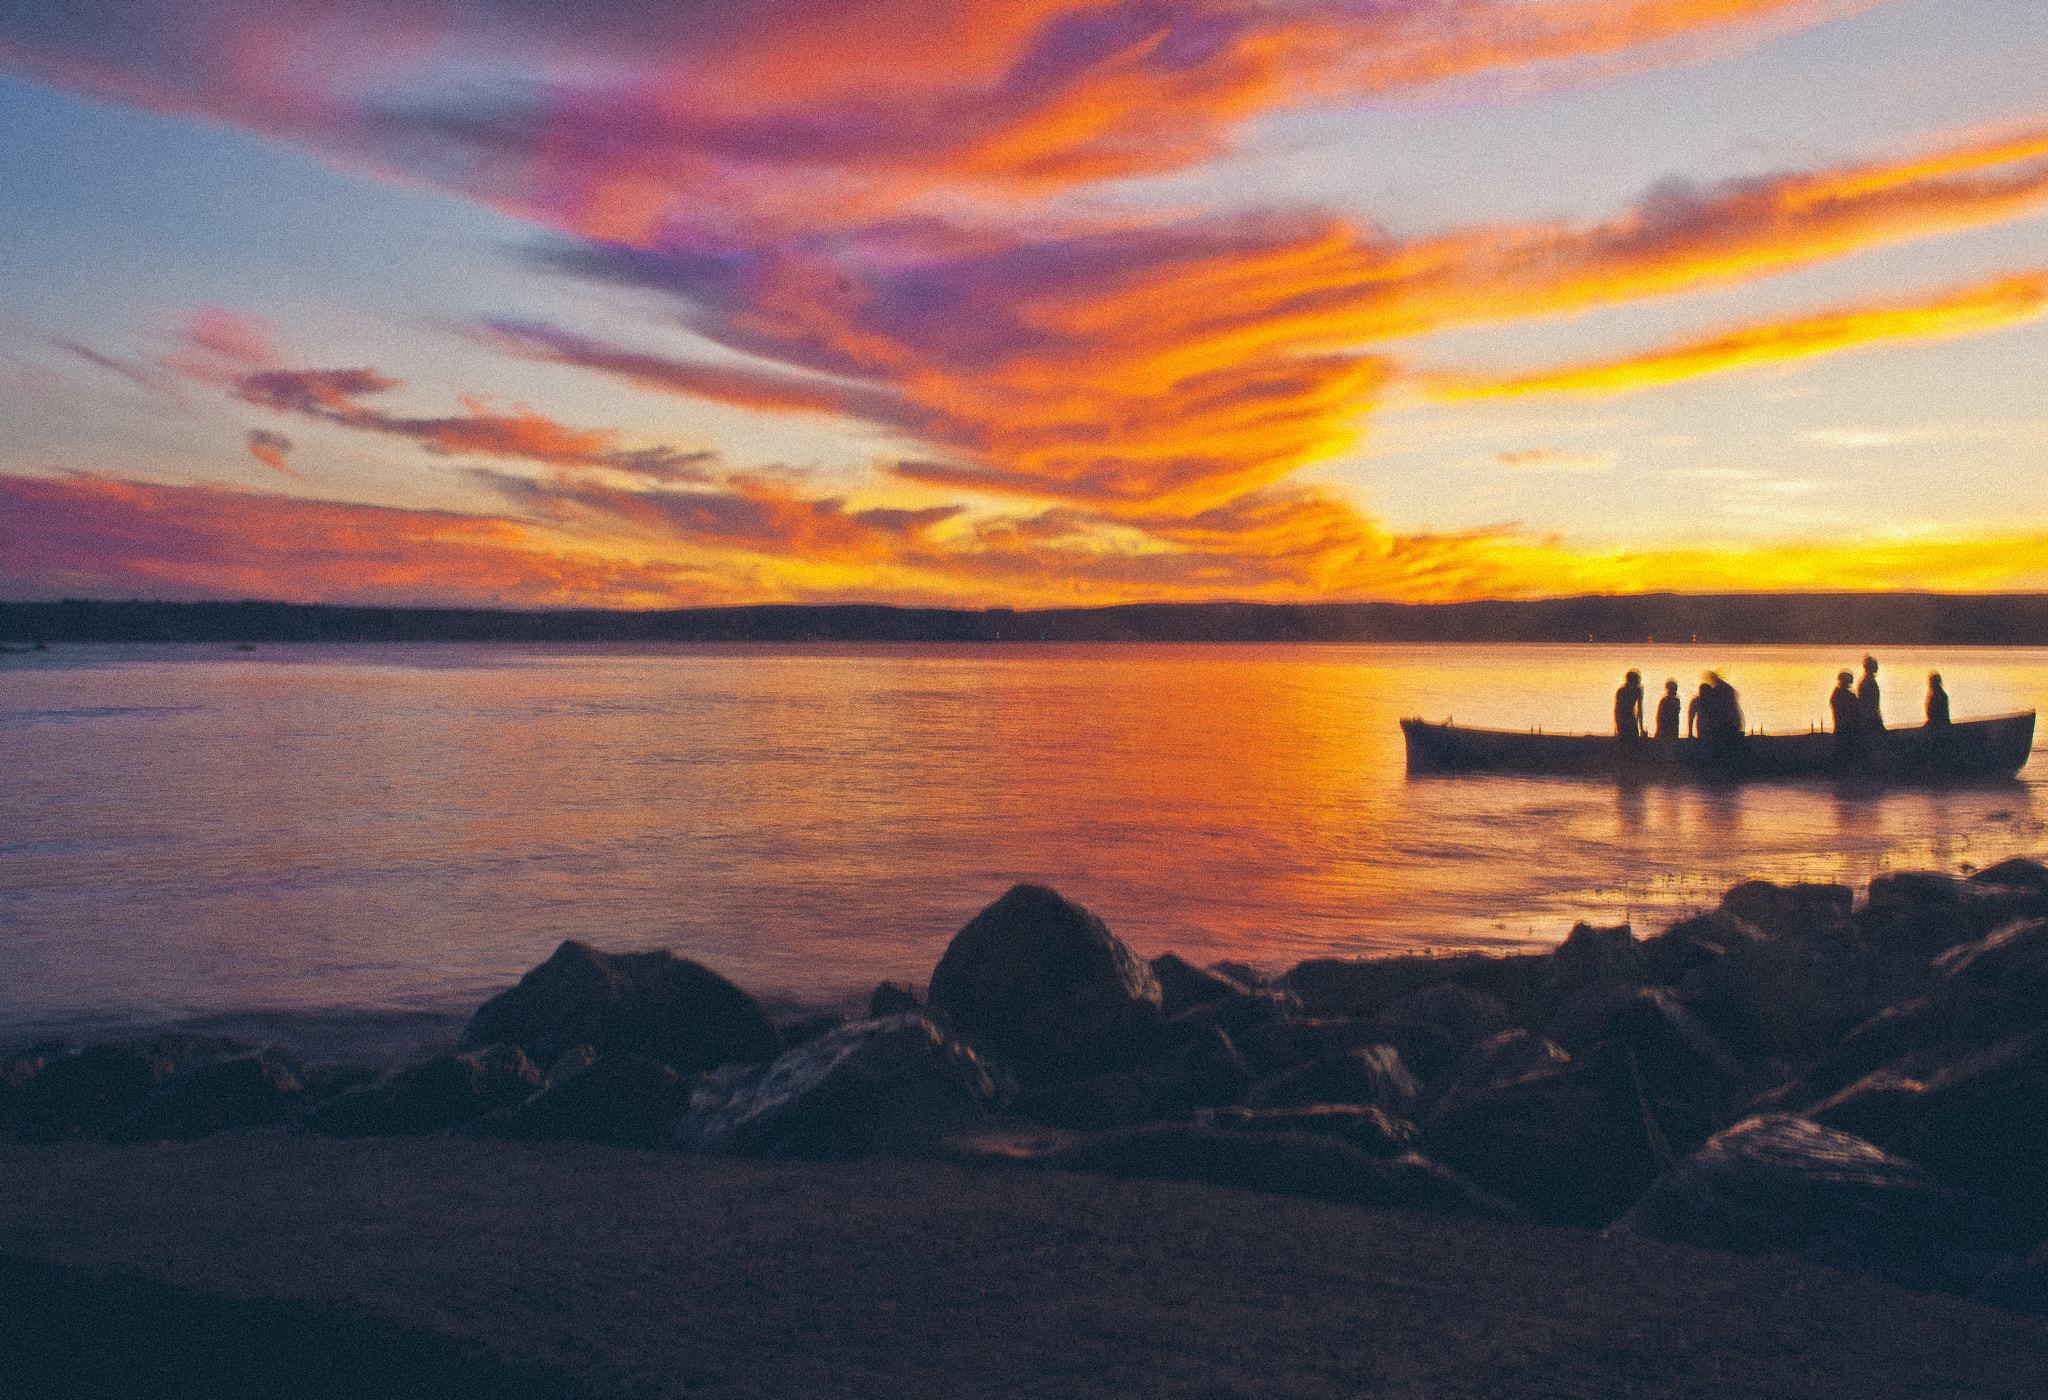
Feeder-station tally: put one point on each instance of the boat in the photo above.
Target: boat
(1997, 747)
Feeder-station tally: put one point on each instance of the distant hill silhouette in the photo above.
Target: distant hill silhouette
(1862, 619)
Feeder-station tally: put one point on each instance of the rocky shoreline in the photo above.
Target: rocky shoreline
(1861, 1083)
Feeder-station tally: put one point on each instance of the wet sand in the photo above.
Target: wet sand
(307, 1267)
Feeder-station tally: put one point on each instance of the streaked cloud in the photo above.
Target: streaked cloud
(1544, 460)
(1093, 401)
(1977, 310)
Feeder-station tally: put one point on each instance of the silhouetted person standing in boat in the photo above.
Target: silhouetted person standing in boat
(1628, 707)
(1667, 712)
(1847, 715)
(1937, 702)
(1699, 713)
(1868, 700)
(1720, 721)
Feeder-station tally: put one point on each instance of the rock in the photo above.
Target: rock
(1372, 1075)
(2020, 1287)
(1202, 1070)
(1885, 1038)
(1573, 1147)
(1434, 1027)
(1363, 987)
(887, 1087)
(570, 1063)
(1785, 1185)
(1689, 946)
(1427, 1052)
(1980, 1123)
(1182, 985)
(1584, 1011)
(1808, 977)
(1315, 1165)
(1366, 1128)
(1908, 921)
(446, 1091)
(666, 1008)
(1981, 992)
(1788, 911)
(86, 1093)
(1242, 973)
(218, 1096)
(807, 1028)
(1467, 1016)
(1043, 983)
(1592, 955)
(1502, 1059)
(617, 1100)
(1999, 982)
(1114, 1099)
(893, 999)
(1266, 1027)
(2017, 873)
(1692, 1083)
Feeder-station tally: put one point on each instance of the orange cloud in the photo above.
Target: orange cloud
(753, 111)
(1991, 306)
(97, 536)
(89, 535)
(270, 448)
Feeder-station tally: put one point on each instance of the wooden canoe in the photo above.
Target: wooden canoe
(1972, 749)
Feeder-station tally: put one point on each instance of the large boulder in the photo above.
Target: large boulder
(1574, 1146)
(1502, 1059)
(1980, 1122)
(1433, 1028)
(1371, 1131)
(1780, 1184)
(1978, 994)
(1040, 982)
(1201, 1070)
(246, 1091)
(1182, 985)
(444, 1092)
(1267, 1028)
(890, 1087)
(2018, 873)
(1690, 1082)
(617, 1100)
(668, 1009)
(1372, 1075)
(1807, 976)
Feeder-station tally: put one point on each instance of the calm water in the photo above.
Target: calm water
(365, 840)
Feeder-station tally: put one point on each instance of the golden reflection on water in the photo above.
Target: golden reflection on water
(369, 826)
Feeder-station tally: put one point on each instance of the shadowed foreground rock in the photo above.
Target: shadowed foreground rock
(1784, 1185)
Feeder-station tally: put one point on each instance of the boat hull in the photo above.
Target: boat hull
(1973, 749)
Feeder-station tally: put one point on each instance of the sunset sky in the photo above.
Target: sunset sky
(637, 304)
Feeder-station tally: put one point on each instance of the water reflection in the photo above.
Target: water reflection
(409, 826)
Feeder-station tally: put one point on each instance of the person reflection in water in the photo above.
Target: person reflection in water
(1847, 715)
(1868, 701)
(1628, 707)
(1937, 702)
(1667, 712)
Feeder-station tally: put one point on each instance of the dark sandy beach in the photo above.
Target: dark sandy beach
(298, 1267)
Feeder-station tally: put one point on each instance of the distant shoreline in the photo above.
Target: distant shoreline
(1819, 619)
